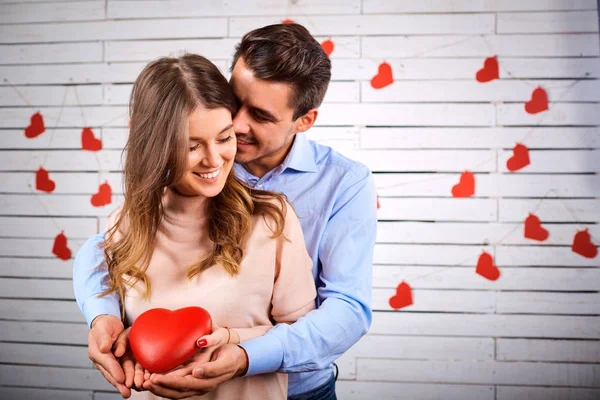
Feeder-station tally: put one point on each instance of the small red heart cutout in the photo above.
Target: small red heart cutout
(36, 126)
(486, 267)
(103, 197)
(466, 186)
(490, 70)
(43, 182)
(534, 229)
(60, 249)
(378, 203)
(162, 339)
(328, 47)
(287, 21)
(402, 298)
(519, 159)
(384, 76)
(538, 102)
(89, 141)
(582, 245)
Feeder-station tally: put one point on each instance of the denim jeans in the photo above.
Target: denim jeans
(324, 392)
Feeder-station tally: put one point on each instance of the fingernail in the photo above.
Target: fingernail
(198, 371)
(201, 342)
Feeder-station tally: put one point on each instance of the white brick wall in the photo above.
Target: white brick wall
(532, 334)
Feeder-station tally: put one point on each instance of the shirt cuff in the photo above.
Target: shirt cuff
(95, 306)
(265, 354)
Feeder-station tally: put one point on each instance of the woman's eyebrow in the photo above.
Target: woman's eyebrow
(228, 127)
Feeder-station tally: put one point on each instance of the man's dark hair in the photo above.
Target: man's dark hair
(289, 54)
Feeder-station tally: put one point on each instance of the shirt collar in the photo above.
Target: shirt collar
(301, 156)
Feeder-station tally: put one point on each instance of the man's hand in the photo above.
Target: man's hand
(105, 331)
(198, 377)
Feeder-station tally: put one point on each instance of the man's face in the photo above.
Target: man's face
(263, 124)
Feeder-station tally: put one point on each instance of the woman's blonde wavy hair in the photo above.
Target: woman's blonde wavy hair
(165, 93)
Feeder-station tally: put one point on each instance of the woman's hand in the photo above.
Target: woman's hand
(135, 375)
(219, 337)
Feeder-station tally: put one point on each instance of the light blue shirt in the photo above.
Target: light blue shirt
(335, 200)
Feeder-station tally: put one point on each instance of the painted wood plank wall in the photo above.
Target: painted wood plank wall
(532, 334)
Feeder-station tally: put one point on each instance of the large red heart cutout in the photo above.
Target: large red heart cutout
(60, 249)
(486, 267)
(466, 186)
(520, 158)
(582, 244)
(490, 70)
(43, 182)
(36, 127)
(534, 229)
(162, 339)
(103, 197)
(538, 102)
(402, 298)
(89, 141)
(384, 76)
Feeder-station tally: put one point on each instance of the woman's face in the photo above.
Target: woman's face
(212, 146)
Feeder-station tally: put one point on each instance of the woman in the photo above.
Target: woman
(190, 233)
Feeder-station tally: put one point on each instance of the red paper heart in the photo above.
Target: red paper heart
(287, 21)
(36, 127)
(520, 158)
(103, 197)
(378, 203)
(328, 47)
(402, 298)
(466, 186)
(538, 102)
(43, 182)
(89, 141)
(60, 249)
(384, 76)
(162, 339)
(582, 245)
(534, 229)
(486, 267)
(490, 70)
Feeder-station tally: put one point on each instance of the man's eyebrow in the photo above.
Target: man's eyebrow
(267, 114)
(228, 127)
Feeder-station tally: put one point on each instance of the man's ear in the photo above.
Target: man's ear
(306, 121)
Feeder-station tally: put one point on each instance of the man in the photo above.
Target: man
(280, 75)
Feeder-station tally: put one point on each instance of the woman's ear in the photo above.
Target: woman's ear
(306, 121)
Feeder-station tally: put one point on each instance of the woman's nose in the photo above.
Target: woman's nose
(212, 157)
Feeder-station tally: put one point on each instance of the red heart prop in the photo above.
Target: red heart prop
(538, 102)
(328, 47)
(43, 182)
(384, 76)
(534, 230)
(582, 244)
(490, 70)
(60, 249)
(402, 298)
(89, 141)
(466, 186)
(36, 127)
(520, 158)
(103, 197)
(287, 21)
(486, 267)
(162, 339)
(378, 203)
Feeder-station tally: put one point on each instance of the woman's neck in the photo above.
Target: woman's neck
(180, 207)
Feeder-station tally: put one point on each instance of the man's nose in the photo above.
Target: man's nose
(240, 122)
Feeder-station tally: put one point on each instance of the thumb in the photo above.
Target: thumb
(102, 337)
(217, 337)
(121, 342)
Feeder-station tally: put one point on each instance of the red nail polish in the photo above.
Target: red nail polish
(201, 343)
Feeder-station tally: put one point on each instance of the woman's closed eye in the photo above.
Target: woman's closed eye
(220, 141)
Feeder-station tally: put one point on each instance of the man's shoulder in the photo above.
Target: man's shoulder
(327, 158)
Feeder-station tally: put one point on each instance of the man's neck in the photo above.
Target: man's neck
(263, 165)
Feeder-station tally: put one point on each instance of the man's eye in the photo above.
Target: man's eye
(260, 118)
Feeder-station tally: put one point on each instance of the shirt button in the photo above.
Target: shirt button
(259, 186)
